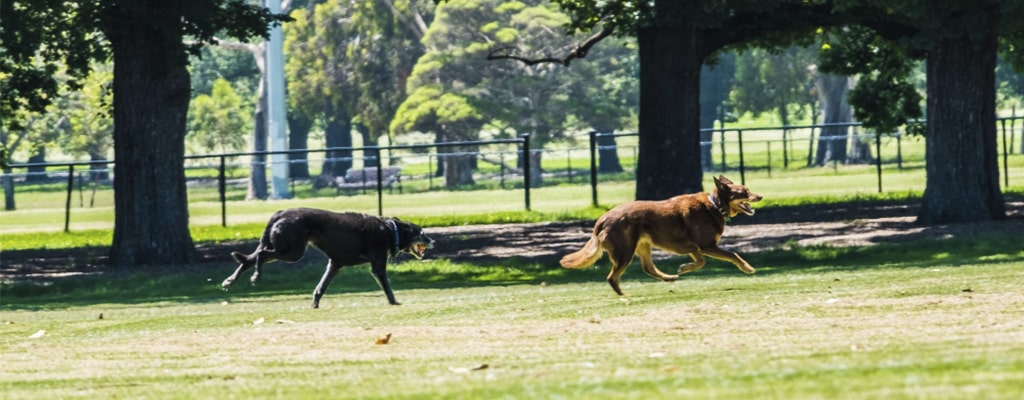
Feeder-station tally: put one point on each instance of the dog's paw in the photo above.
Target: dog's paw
(670, 278)
(226, 284)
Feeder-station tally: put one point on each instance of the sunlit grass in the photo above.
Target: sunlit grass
(926, 319)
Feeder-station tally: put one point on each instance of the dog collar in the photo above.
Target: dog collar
(394, 227)
(725, 213)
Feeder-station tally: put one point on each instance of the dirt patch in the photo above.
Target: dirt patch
(835, 225)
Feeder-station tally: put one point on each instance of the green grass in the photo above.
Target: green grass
(927, 319)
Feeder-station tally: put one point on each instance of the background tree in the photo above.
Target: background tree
(716, 81)
(675, 38)
(516, 98)
(321, 80)
(959, 42)
(151, 94)
(218, 122)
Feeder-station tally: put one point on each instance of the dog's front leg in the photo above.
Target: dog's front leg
(324, 281)
(380, 273)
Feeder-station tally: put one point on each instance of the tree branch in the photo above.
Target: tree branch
(580, 51)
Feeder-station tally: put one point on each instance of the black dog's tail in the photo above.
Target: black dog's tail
(242, 258)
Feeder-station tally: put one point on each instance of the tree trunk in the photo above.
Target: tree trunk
(37, 173)
(835, 109)
(608, 155)
(670, 61)
(714, 90)
(151, 95)
(258, 165)
(8, 181)
(960, 141)
(98, 172)
(299, 126)
(337, 133)
(458, 168)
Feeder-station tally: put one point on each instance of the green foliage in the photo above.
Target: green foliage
(219, 121)
(884, 98)
(774, 81)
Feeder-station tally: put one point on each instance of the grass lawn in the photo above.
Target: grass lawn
(930, 319)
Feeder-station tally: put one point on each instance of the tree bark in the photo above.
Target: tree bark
(258, 166)
(299, 126)
(670, 62)
(337, 133)
(960, 141)
(151, 95)
(608, 154)
(835, 109)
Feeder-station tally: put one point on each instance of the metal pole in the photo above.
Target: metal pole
(593, 168)
(67, 203)
(878, 159)
(222, 188)
(526, 168)
(743, 169)
(380, 184)
(1006, 167)
(277, 121)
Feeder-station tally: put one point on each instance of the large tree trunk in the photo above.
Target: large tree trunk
(299, 126)
(714, 89)
(608, 154)
(37, 173)
(960, 141)
(458, 167)
(258, 166)
(337, 133)
(151, 95)
(835, 109)
(670, 62)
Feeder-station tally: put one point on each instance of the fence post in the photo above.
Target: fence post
(743, 169)
(67, 203)
(1006, 167)
(878, 158)
(380, 180)
(222, 188)
(722, 150)
(526, 168)
(593, 168)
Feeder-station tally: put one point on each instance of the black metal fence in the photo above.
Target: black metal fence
(752, 149)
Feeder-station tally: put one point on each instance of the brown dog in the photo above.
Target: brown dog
(687, 224)
(346, 238)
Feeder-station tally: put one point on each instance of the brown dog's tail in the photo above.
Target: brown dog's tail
(583, 258)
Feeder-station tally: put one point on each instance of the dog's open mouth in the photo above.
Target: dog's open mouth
(746, 208)
(418, 250)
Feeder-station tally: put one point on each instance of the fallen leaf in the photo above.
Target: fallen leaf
(383, 339)
(284, 321)
(39, 334)
(259, 321)
(463, 370)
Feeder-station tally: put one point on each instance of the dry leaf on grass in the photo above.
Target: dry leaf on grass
(462, 370)
(38, 334)
(383, 339)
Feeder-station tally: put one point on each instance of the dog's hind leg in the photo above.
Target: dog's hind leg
(244, 262)
(643, 250)
(329, 274)
(729, 256)
(698, 263)
(380, 273)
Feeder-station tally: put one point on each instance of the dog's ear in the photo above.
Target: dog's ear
(722, 183)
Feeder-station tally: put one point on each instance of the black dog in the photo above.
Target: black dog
(346, 238)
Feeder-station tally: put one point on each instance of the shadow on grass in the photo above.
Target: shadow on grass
(201, 283)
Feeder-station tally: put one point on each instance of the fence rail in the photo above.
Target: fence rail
(763, 149)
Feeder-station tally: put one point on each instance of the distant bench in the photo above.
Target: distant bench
(366, 178)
